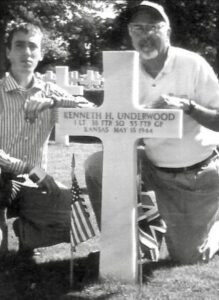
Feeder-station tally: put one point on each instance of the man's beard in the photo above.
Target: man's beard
(147, 49)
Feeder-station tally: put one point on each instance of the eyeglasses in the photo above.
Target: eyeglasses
(140, 29)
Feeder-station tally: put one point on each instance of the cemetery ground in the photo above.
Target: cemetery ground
(46, 277)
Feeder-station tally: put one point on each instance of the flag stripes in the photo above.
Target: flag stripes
(82, 228)
(15, 189)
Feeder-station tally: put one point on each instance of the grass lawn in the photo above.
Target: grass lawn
(46, 277)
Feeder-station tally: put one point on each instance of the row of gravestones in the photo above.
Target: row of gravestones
(91, 80)
(74, 84)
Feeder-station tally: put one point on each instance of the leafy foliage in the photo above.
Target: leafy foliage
(194, 25)
(79, 30)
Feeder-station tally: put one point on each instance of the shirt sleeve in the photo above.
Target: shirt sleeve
(207, 86)
(13, 165)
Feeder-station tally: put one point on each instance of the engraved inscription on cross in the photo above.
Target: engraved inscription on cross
(119, 122)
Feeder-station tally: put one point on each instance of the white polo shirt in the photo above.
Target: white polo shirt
(187, 74)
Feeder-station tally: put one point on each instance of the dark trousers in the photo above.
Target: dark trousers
(43, 219)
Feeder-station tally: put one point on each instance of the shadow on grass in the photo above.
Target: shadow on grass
(150, 267)
(23, 279)
(84, 296)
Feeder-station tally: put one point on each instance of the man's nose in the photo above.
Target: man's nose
(27, 50)
(147, 32)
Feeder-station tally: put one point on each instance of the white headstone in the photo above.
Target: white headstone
(63, 80)
(119, 123)
(73, 78)
(50, 76)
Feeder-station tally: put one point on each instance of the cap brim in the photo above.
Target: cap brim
(156, 13)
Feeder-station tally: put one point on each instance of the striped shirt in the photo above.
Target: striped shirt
(23, 145)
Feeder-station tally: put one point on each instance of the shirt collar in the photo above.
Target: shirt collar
(168, 65)
(12, 85)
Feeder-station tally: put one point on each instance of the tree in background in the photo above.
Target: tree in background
(73, 29)
(55, 47)
(77, 31)
(195, 26)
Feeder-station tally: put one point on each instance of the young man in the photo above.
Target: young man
(27, 116)
(183, 173)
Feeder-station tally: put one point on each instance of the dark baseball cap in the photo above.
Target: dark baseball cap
(154, 9)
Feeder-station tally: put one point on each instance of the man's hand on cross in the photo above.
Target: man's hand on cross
(181, 102)
(172, 102)
(36, 105)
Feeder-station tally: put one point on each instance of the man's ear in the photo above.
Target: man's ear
(7, 53)
(41, 55)
(169, 31)
(129, 31)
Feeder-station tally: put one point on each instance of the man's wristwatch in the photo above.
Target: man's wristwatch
(37, 174)
(191, 107)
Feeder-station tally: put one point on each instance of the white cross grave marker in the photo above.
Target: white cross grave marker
(50, 76)
(73, 78)
(119, 123)
(63, 80)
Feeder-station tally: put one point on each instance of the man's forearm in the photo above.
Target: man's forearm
(207, 117)
(13, 165)
(70, 103)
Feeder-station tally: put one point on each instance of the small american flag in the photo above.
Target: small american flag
(82, 228)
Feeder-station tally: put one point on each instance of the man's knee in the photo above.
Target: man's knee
(34, 235)
(93, 166)
(93, 176)
(3, 230)
(188, 257)
(185, 253)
